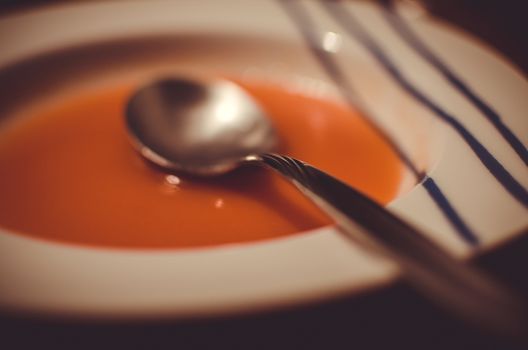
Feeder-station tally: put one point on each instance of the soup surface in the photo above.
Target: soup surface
(69, 173)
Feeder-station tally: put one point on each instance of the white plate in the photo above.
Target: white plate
(46, 277)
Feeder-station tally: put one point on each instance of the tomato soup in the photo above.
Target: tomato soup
(68, 173)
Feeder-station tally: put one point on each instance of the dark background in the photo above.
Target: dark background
(503, 24)
(391, 318)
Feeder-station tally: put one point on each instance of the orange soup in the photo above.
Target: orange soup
(68, 173)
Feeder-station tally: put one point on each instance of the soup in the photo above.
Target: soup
(69, 174)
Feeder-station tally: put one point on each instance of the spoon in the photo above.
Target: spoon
(209, 127)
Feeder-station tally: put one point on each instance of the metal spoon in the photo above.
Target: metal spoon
(211, 127)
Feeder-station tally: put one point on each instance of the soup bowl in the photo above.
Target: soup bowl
(56, 53)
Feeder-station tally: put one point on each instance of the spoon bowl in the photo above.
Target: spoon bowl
(201, 128)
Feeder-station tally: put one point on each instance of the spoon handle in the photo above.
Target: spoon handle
(465, 291)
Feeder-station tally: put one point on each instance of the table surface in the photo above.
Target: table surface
(393, 317)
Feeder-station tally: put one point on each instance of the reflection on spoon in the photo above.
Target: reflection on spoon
(207, 128)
